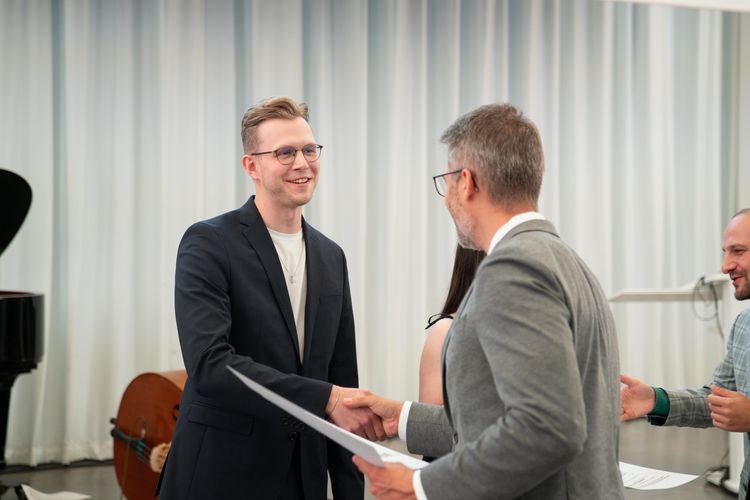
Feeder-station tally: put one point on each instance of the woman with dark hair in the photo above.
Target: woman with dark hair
(430, 379)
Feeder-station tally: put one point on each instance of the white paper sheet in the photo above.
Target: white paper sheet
(33, 494)
(643, 478)
(372, 452)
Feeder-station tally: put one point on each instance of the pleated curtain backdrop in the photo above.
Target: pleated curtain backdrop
(124, 118)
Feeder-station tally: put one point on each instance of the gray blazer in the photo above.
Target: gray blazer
(531, 388)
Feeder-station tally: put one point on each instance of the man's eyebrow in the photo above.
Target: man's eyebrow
(734, 246)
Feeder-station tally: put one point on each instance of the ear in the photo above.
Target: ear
(470, 187)
(250, 165)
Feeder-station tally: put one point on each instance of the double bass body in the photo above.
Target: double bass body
(143, 430)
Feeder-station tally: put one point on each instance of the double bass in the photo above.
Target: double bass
(143, 430)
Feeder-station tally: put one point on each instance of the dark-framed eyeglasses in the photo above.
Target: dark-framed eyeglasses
(287, 154)
(439, 181)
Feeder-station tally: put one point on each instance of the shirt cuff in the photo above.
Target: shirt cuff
(660, 413)
(402, 419)
(416, 483)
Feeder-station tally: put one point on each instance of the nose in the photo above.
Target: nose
(727, 264)
(299, 160)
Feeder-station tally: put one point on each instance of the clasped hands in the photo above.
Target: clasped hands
(363, 413)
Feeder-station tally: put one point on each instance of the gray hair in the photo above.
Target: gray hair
(503, 150)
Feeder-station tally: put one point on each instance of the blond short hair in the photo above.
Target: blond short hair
(275, 107)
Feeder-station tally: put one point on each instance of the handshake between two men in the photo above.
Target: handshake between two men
(374, 418)
(361, 412)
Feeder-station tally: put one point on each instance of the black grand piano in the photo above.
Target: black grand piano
(21, 313)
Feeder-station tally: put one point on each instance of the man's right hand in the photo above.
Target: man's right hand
(360, 421)
(388, 410)
(636, 399)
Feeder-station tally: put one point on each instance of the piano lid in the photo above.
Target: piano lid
(15, 200)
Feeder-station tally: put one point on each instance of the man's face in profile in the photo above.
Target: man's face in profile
(465, 226)
(736, 250)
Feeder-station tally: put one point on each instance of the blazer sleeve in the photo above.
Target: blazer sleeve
(204, 320)
(523, 325)
(346, 480)
(428, 431)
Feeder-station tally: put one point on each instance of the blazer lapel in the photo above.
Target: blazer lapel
(258, 237)
(533, 225)
(446, 343)
(313, 264)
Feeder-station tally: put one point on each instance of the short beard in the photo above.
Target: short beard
(742, 293)
(465, 240)
(464, 227)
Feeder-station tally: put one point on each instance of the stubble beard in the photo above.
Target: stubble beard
(465, 227)
(465, 241)
(743, 292)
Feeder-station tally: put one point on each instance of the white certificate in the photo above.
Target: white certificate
(643, 478)
(372, 452)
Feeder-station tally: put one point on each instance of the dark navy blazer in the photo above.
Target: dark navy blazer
(232, 308)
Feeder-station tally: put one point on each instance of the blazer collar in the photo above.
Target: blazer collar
(532, 225)
(257, 235)
(511, 223)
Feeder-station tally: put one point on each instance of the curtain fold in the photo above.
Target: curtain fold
(124, 118)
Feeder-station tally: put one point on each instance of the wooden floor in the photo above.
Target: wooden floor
(678, 449)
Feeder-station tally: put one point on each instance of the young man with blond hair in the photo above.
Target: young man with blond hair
(259, 289)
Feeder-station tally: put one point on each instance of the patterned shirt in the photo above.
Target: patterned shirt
(689, 408)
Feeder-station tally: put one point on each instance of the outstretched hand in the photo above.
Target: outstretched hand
(730, 410)
(636, 399)
(392, 482)
(389, 410)
(361, 421)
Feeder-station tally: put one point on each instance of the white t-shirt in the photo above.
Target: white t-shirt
(291, 251)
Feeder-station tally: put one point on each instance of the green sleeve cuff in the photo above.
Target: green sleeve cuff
(659, 414)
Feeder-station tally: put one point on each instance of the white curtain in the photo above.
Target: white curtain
(124, 118)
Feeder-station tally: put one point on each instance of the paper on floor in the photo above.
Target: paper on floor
(643, 478)
(33, 494)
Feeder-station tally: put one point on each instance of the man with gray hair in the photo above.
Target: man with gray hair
(530, 364)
